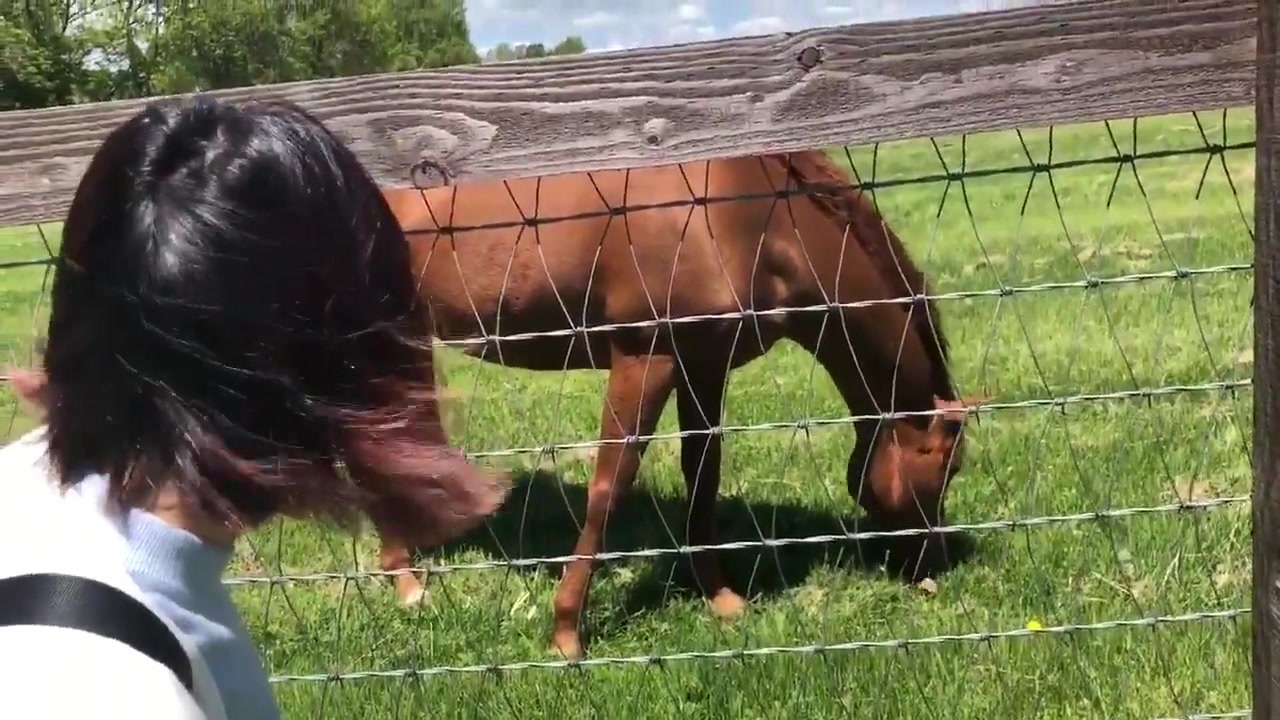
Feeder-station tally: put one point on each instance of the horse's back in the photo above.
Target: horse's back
(549, 253)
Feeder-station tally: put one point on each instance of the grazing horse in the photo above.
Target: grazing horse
(525, 273)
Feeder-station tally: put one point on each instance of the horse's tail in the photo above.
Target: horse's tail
(829, 187)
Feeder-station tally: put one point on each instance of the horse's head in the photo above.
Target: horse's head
(901, 478)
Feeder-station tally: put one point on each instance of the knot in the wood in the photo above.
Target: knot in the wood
(809, 56)
(428, 174)
(655, 131)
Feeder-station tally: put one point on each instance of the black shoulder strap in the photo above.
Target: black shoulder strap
(84, 604)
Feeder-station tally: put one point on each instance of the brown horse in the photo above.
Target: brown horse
(525, 273)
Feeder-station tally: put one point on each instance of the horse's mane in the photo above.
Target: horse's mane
(831, 191)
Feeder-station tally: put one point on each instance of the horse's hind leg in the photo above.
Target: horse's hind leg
(638, 389)
(699, 401)
(395, 556)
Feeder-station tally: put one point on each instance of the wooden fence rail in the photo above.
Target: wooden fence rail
(857, 84)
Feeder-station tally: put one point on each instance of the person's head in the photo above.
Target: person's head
(233, 312)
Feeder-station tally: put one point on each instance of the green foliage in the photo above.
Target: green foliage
(40, 62)
(502, 52)
(572, 45)
(57, 52)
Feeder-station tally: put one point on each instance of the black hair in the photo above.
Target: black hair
(234, 311)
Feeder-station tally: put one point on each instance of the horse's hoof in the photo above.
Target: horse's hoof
(414, 598)
(409, 591)
(566, 646)
(728, 605)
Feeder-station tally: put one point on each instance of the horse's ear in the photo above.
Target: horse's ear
(964, 403)
(970, 402)
(946, 421)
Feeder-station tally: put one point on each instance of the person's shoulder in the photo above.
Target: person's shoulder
(27, 480)
(25, 451)
(24, 467)
(111, 680)
(76, 536)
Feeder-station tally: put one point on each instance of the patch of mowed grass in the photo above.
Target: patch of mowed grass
(24, 274)
(1022, 463)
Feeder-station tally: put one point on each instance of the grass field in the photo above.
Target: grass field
(1022, 463)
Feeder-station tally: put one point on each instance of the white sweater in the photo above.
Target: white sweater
(52, 672)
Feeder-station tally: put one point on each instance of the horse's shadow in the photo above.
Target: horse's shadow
(542, 516)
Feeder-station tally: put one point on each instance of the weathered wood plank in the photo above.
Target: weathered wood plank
(1266, 375)
(1091, 60)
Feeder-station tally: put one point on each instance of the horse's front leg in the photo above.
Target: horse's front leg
(638, 389)
(699, 401)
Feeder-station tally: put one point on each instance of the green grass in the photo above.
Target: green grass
(1022, 463)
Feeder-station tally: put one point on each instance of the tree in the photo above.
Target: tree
(228, 43)
(42, 59)
(122, 50)
(501, 52)
(572, 45)
(431, 33)
(214, 44)
(55, 52)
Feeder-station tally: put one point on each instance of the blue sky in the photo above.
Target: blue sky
(616, 24)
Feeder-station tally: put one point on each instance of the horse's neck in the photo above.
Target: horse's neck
(877, 247)
(882, 379)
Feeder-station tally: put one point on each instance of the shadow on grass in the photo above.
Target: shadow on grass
(542, 516)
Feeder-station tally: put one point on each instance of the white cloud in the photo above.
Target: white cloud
(759, 25)
(984, 5)
(597, 18)
(483, 10)
(689, 12)
(844, 14)
(838, 11)
(687, 32)
(618, 24)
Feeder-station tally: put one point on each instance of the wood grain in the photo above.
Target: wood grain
(1084, 61)
(1266, 374)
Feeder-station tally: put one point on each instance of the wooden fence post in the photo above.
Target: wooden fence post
(1266, 375)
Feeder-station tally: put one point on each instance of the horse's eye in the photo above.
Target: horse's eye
(953, 427)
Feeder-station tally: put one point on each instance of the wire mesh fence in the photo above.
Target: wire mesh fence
(1093, 282)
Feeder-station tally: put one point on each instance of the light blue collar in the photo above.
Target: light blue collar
(161, 551)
